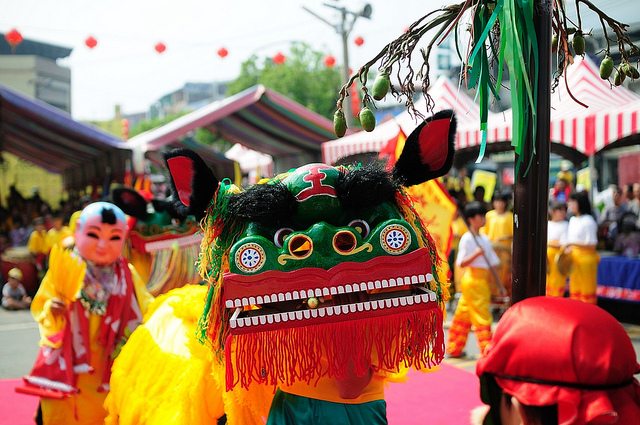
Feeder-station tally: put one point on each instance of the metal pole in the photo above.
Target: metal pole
(531, 197)
(344, 33)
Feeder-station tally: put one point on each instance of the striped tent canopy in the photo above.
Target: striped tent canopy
(445, 95)
(49, 138)
(258, 118)
(611, 114)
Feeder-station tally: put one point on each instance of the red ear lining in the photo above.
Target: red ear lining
(431, 136)
(181, 169)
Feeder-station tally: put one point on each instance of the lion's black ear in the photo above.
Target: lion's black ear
(130, 202)
(428, 151)
(192, 182)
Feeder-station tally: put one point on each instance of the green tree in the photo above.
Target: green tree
(303, 77)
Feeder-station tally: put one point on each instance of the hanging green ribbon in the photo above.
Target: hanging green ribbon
(518, 46)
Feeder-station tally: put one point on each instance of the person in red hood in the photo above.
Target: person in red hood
(559, 361)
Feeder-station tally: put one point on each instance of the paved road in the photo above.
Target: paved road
(19, 344)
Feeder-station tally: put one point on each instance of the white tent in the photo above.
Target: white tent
(612, 113)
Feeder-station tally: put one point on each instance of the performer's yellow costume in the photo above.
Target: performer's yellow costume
(583, 279)
(499, 229)
(163, 354)
(90, 409)
(473, 305)
(556, 280)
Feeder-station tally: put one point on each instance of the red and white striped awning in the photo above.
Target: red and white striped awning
(445, 95)
(612, 113)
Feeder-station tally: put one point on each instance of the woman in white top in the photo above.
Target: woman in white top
(556, 236)
(582, 238)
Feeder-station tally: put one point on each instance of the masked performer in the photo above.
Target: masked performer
(87, 305)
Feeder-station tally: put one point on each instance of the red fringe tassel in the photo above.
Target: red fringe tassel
(413, 339)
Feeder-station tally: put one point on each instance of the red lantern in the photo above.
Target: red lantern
(14, 38)
(359, 41)
(160, 47)
(329, 61)
(222, 52)
(91, 42)
(279, 58)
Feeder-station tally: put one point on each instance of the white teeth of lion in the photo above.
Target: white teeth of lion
(385, 283)
(425, 298)
(340, 290)
(263, 320)
(410, 300)
(421, 278)
(345, 309)
(337, 310)
(303, 293)
(378, 284)
(245, 301)
(284, 317)
(229, 304)
(363, 286)
(347, 288)
(280, 297)
(370, 285)
(352, 308)
(270, 318)
(298, 315)
(254, 320)
(237, 303)
(306, 314)
(409, 280)
(314, 313)
(333, 290)
(259, 300)
(329, 311)
(380, 303)
(276, 317)
(318, 292)
(325, 292)
(387, 303)
(429, 277)
(360, 306)
(322, 311)
(232, 323)
(374, 305)
(292, 315)
(287, 296)
(247, 321)
(403, 301)
(392, 283)
(274, 298)
(296, 295)
(367, 306)
(252, 300)
(432, 296)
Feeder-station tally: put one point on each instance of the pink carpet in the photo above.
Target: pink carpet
(17, 409)
(443, 397)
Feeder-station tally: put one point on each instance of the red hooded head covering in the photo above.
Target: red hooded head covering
(548, 351)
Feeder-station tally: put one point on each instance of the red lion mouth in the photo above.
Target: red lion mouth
(382, 286)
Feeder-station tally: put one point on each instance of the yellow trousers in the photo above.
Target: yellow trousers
(472, 310)
(556, 281)
(583, 278)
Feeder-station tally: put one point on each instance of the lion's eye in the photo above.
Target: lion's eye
(279, 237)
(361, 227)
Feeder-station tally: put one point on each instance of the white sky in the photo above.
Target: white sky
(125, 69)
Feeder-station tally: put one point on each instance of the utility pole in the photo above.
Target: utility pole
(343, 28)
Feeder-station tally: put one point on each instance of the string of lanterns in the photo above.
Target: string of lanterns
(14, 38)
